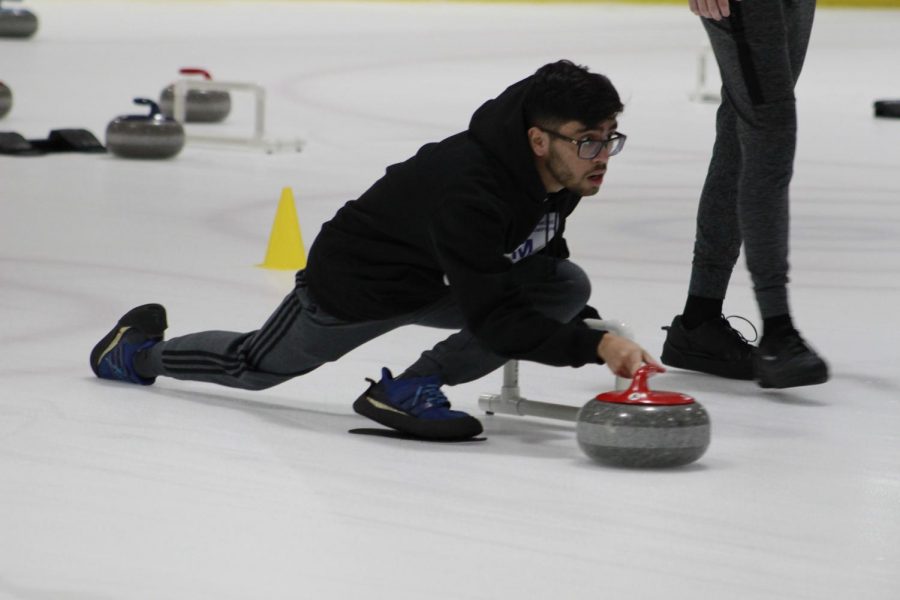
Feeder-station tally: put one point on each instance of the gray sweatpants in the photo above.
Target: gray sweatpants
(760, 51)
(300, 336)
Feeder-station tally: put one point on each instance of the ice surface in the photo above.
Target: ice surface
(193, 491)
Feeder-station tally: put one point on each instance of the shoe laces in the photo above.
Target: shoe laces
(796, 345)
(791, 343)
(427, 396)
(415, 395)
(738, 333)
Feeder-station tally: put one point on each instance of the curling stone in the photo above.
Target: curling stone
(202, 106)
(6, 99)
(17, 23)
(641, 428)
(145, 136)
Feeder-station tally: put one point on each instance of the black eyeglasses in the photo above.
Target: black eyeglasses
(589, 149)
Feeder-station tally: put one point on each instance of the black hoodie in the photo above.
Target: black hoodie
(455, 212)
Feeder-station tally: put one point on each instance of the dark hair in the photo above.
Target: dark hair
(563, 91)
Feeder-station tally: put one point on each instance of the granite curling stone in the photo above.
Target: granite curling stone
(145, 136)
(6, 100)
(640, 428)
(17, 23)
(201, 106)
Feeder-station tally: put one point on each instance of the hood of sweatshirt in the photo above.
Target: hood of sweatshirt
(499, 127)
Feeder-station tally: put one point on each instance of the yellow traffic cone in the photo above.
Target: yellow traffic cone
(285, 242)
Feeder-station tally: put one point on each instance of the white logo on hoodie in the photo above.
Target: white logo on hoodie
(544, 231)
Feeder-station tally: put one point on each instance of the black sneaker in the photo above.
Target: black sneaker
(138, 329)
(787, 361)
(415, 406)
(715, 347)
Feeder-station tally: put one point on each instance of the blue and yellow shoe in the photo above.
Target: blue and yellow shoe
(139, 329)
(415, 406)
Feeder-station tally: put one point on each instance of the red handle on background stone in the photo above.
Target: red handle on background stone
(195, 71)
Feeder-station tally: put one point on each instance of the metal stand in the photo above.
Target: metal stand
(510, 402)
(703, 92)
(257, 140)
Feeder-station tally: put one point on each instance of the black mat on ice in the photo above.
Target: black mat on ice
(59, 140)
(399, 435)
(887, 108)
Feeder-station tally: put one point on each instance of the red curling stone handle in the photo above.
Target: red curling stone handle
(639, 393)
(195, 71)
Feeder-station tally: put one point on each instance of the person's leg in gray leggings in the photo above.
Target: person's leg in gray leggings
(300, 336)
(760, 51)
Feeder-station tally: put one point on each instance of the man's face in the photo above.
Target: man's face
(559, 162)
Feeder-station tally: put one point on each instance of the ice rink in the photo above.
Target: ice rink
(190, 491)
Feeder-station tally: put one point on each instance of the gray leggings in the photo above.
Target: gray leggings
(760, 51)
(300, 336)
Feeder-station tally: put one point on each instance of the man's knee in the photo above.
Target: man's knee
(575, 281)
(772, 121)
(572, 290)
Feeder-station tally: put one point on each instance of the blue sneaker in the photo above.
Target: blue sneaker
(415, 406)
(139, 329)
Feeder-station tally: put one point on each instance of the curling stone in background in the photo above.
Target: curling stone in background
(145, 136)
(6, 99)
(641, 428)
(17, 23)
(202, 106)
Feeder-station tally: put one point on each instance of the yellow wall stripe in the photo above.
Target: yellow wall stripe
(821, 3)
